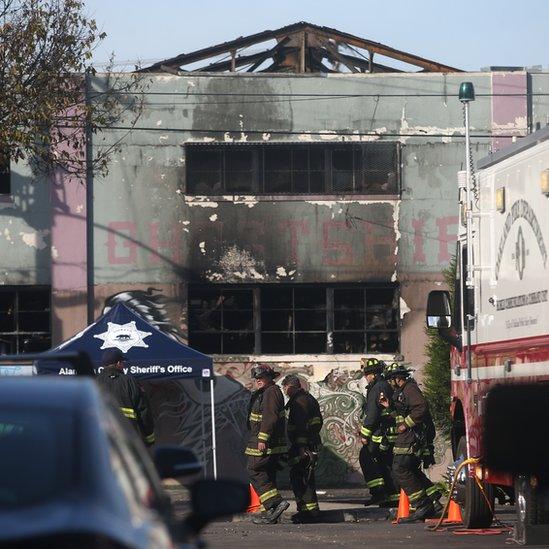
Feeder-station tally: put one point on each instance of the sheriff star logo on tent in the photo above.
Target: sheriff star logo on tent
(122, 336)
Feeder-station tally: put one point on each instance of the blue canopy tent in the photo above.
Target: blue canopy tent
(150, 353)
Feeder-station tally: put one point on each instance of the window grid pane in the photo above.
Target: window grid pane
(294, 319)
(24, 320)
(293, 168)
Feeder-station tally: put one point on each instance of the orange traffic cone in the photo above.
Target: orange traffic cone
(403, 507)
(454, 514)
(255, 504)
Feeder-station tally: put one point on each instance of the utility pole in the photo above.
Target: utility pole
(90, 279)
(466, 95)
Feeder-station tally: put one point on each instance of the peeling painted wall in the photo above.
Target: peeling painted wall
(25, 229)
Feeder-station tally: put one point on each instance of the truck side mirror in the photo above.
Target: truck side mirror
(439, 314)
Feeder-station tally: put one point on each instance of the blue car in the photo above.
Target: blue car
(73, 473)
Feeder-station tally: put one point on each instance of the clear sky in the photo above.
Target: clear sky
(467, 34)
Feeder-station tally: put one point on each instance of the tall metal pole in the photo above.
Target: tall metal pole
(467, 94)
(214, 439)
(469, 237)
(90, 300)
(469, 208)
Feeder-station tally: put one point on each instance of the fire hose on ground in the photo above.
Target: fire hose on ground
(465, 463)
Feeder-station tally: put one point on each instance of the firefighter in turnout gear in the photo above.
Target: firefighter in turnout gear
(303, 427)
(131, 399)
(375, 456)
(413, 420)
(267, 443)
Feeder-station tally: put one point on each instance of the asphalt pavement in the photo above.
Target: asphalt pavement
(345, 522)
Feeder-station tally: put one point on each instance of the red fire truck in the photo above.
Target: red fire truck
(498, 323)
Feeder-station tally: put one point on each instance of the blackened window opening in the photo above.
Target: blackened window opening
(24, 319)
(221, 320)
(343, 168)
(5, 174)
(294, 319)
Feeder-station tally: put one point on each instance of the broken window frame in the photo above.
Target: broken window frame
(19, 333)
(5, 174)
(332, 330)
(291, 178)
(224, 334)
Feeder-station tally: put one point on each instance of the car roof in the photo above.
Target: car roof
(48, 392)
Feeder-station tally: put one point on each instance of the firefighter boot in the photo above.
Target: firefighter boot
(424, 510)
(309, 517)
(272, 515)
(377, 497)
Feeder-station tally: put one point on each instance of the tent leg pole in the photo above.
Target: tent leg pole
(214, 445)
(202, 422)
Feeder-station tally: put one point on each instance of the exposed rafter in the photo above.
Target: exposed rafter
(301, 47)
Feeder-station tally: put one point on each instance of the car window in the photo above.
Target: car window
(37, 453)
(120, 472)
(137, 463)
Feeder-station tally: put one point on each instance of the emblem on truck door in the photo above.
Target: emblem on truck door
(521, 210)
(520, 253)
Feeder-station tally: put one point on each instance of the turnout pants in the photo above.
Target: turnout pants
(262, 471)
(302, 479)
(409, 476)
(376, 468)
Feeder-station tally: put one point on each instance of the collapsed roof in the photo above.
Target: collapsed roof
(299, 48)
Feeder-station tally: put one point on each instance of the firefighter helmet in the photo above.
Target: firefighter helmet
(371, 365)
(397, 370)
(264, 370)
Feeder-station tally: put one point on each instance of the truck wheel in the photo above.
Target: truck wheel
(530, 509)
(475, 510)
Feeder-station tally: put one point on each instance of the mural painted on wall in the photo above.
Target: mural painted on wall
(182, 408)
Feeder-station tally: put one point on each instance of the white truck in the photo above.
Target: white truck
(498, 323)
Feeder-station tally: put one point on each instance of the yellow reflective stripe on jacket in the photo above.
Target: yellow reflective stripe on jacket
(310, 507)
(365, 432)
(409, 421)
(257, 453)
(256, 417)
(403, 450)
(314, 421)
(377, 439)
(129, 413)
(399, 419)
(150, 438)
(264, 437)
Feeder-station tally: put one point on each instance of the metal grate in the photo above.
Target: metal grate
(24, 319)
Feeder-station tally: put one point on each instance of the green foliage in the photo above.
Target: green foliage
(436, 379)
(46, 115)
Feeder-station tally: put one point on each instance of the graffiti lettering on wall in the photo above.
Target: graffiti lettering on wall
(445, 236)
(338, 241)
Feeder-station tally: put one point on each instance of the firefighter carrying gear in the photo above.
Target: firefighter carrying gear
(375, 456)
(266, 423)
(304, 425)
(131, 399)
(413, 418)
